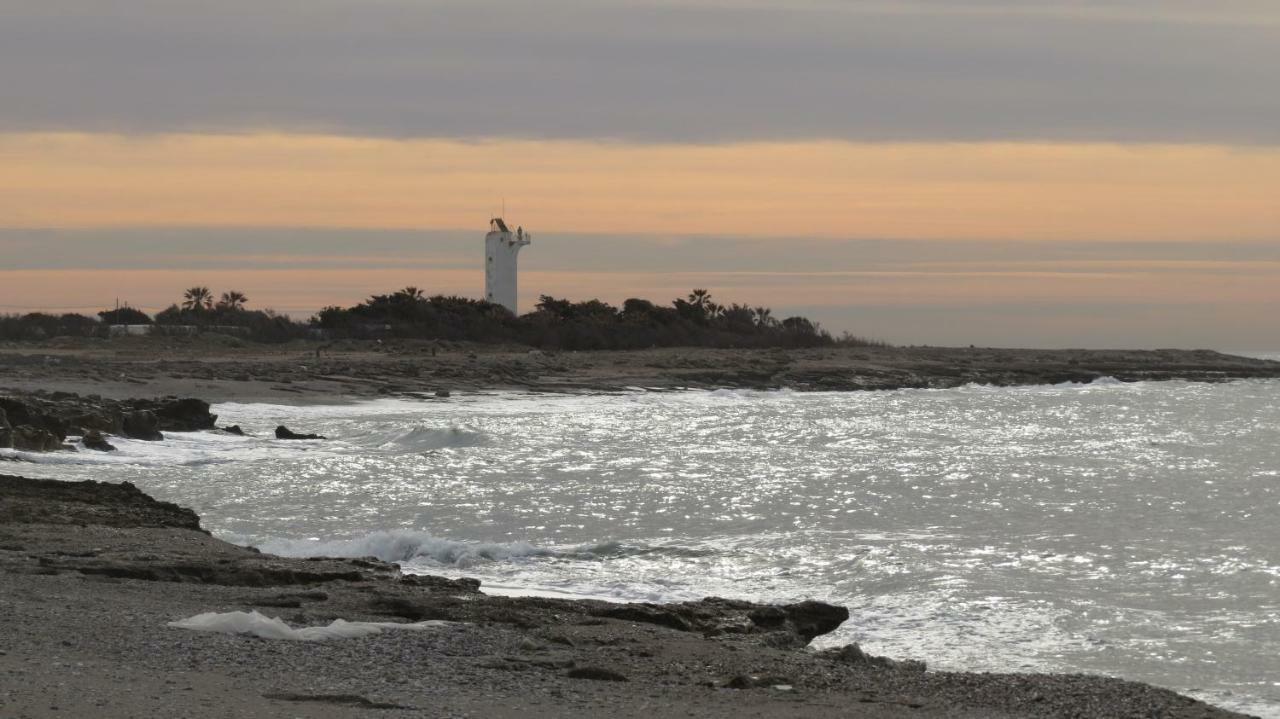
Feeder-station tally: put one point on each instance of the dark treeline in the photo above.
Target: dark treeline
(198, 312)
(696, 320)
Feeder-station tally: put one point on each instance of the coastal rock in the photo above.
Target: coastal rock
(283, 432)
(99, 419)
(34, 414)
(234, 429)
(94, 440)
(184, 415)
(141, 424)
(34, 439)
(853, 654)
(790, 624)
(50, 501)
(812, 619)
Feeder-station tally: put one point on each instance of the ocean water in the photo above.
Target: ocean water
(1131, 530)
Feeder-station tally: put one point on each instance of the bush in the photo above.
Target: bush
(38, 326)
(124, 316)
(563, 324)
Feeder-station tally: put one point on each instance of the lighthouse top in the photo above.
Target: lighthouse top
(501, 247)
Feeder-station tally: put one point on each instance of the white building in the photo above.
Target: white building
(501, 246)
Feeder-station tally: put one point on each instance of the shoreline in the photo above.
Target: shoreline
(94, 572)
(292, 374)
(94, 577)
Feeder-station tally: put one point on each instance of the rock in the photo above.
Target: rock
(442, 393)
(34, 413)
(35, 439)
(811, 619)
(234, 429)
(853, 654)
(186, 415)
(791, 625)
(283, 432)
(94, 440)
(597, 673)
(99, 419)
(52, 501)
(180, 415)
(141, 424)
(648, 614)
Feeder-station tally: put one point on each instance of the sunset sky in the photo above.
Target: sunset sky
(1003, 172)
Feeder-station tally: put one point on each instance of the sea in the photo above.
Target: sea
(1123, 529)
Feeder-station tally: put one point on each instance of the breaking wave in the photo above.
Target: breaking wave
(402, 545)
(425, 439)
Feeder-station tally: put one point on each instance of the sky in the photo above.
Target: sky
(998, 172)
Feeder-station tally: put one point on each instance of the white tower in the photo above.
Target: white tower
(500, 249)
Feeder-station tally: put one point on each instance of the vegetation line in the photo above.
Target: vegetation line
(697, 320)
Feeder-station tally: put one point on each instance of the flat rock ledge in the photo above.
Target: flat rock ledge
(91, 573)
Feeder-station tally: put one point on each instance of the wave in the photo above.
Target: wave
(403, 545)
(425, 439)
(1104, 381)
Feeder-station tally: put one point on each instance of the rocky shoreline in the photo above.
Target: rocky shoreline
(92, 574)
(42, 421)
(314, 372)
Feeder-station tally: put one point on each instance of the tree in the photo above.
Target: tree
(409, 294)
(124, 316)
(559, 309)
(764, 317)
(700, 298)
(233, 300)
(197, 298)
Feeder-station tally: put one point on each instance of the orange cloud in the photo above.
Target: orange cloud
(1050, 191)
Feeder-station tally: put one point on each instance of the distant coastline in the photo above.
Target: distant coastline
(222, 368)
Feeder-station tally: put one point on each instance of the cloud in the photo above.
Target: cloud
(1134, 70)
(1013, 191)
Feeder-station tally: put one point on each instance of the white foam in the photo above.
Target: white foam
(422, 438)
(400, 545)
(266, 627)
(404, 545)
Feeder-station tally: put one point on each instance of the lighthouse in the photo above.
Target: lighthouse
(501, 246)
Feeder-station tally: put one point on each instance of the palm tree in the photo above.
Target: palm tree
(197, 298)
(410, 293)
(699, 298)
(233, 300)
(764, 317)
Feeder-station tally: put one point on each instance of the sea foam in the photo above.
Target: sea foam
(402, 545)
(260, 625)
